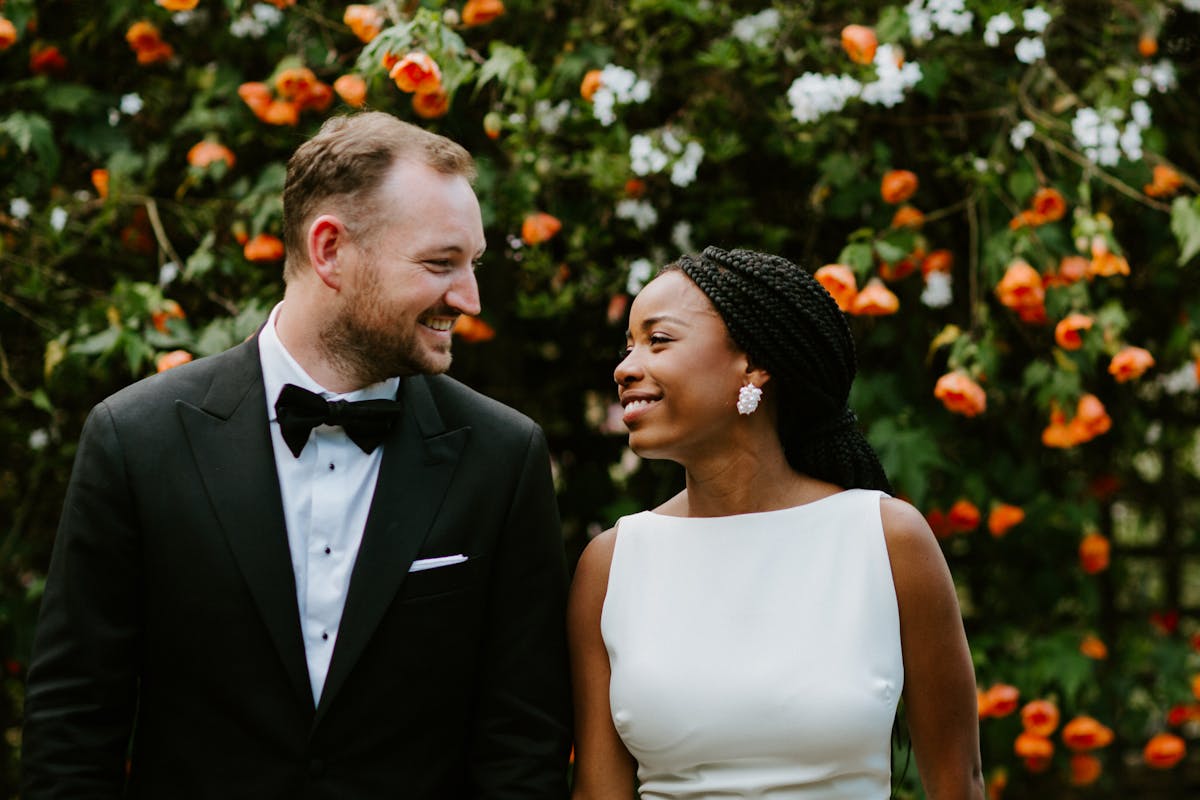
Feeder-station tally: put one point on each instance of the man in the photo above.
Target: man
(243, 605)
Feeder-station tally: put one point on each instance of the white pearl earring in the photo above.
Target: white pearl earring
(748, 397)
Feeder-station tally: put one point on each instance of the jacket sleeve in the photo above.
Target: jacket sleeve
(82, 682)
(522, 738)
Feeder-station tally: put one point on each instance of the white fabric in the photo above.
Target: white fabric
(756, 655)
(327, 493)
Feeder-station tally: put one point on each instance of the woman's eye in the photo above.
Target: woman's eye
(658, 338)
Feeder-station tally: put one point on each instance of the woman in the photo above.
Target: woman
(752, 636)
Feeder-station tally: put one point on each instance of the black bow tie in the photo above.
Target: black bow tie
(366, 422)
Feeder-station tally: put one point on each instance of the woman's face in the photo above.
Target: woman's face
(680, 377)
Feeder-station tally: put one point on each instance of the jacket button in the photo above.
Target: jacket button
(316, 767)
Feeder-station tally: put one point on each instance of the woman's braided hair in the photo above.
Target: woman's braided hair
(790, 326)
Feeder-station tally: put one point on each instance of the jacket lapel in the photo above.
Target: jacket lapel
(230, 438)
(419, 458)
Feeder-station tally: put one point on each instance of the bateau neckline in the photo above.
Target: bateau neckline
(803, 506)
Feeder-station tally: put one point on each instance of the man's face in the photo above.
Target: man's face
(409, 273)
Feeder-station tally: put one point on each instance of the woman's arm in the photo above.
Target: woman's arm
(604, 770)
(939, 679)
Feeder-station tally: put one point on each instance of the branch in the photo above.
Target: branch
(159, 233)
(6, 375)
(1090, 168)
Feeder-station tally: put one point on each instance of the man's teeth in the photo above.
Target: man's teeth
(438, 324)
(633, 405)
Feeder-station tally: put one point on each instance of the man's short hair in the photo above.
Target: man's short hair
(343, 165)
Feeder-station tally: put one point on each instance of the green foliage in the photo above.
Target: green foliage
(96, 289)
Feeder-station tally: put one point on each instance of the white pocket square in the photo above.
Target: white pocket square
(422, 564)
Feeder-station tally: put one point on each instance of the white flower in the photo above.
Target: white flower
(1085, 127)
(981, 165)
(1035, 19)
(114, 117)
(1131, 142)
(1142, 86)
(639, 272)
(996, 27)
(1179, 380)
(247, 27)
(938, 291)
(617, 85)
(58, 218)
(182, 18)
(1140, 111)
(757, 29)
(267, 14)
(549, 117)
(681, 237)
(1108, 156)
(672, 144)
(1162, 75)
(1030, 50)
(813, 95)
(1190, 5)
(131, 103)
(684, 171)
(920, 21)
(19, 208)
(951, 16)
(167, 273)
(38, 439)
(640, 212)
(1020, 134)
(644, 157)
(892, 81)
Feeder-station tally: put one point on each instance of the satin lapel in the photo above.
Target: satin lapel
(419, 459)
(230, 438)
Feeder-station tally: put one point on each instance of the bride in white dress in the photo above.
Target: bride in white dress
(752, 636)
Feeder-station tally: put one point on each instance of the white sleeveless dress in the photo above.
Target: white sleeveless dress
(756, 655)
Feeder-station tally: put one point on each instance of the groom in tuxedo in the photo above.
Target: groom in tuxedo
(313, 566)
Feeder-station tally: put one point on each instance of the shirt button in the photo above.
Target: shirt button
(331, 466)
(327, 550)
(325, 636)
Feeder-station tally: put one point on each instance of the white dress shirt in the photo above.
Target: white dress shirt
(327, 493)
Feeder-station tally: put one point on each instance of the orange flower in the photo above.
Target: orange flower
(1021, 287)
(903, 268)
(1031, 745)
(294, 82)
(352, 89)
(1071, 270)
(431, 105)
(1000, 700)
(263, 247)
(1166, 182)
(172, 359)
(1091, 418)
(1057, 433)
(1085, 733)
(154, 55)
(1003, 517)
(142, 36)
(1048, 203)
(908, 217)
(1027, 218)
(178, 5)
(1039, 717)
(839, 281)
(1069, 331)
(963, 516)
(480, 12)
(1107, 264)
(1130, 363)
(473, 329)
(256, 95)
(417, 73)
(100, 181)
(539, 227)
(1093, 648)
(8, 33)
(937, 261)
(170, 310)
(1093, 553)
(365, 22)
(898, 185)
(997, 783)
(205, 153)
(960, 394)
(46, 60)
(1164, 751)
(635, 187)
(860, 43)
(279, 112)
(1147, 45)
(589, 85)
(316, 96)
(1085, 769)
(875, 300)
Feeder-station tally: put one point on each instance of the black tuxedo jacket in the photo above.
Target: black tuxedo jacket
(170, 616)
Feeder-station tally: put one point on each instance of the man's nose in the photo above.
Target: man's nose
(463, 295)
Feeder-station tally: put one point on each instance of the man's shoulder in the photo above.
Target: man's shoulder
(461, 405)
(188, 382)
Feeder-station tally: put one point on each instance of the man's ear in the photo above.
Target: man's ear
(327, 242)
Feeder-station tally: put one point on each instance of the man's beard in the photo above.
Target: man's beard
(368, 343)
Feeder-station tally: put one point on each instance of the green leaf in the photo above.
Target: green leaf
(858, 257)
(68, 97)
(1185, 224)
(97, 343)
(33, 132)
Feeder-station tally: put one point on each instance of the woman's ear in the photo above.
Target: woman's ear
(757, 375)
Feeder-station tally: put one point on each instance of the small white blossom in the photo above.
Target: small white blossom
(644, 157)
(757, 29)
(131, 104)
(167, 273)
(549, 117)
(920, 21)
(813, 95)
(684, 171)
(58, 218)
(267, 14)
(681, 237)
(981, 165)
(19, 208)
(640, 212)
(1085, 126)
(1162, 75)
(38, 439)
(1030, 50)
(617, 85)
(1179, 380)
(892, 81)
(1108, 156)
(1131, 142)
(1035, 19)
(672, 144)
(938, 291)
(114, 117)
(1140, 111)
(639, 273)
(996, 27)
(182, 18)
(1020, 134)
(1190, 5)
(247, 27)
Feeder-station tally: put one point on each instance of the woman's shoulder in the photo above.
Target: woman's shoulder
(913, 550)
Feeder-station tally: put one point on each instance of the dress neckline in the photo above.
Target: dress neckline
(750, 514)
